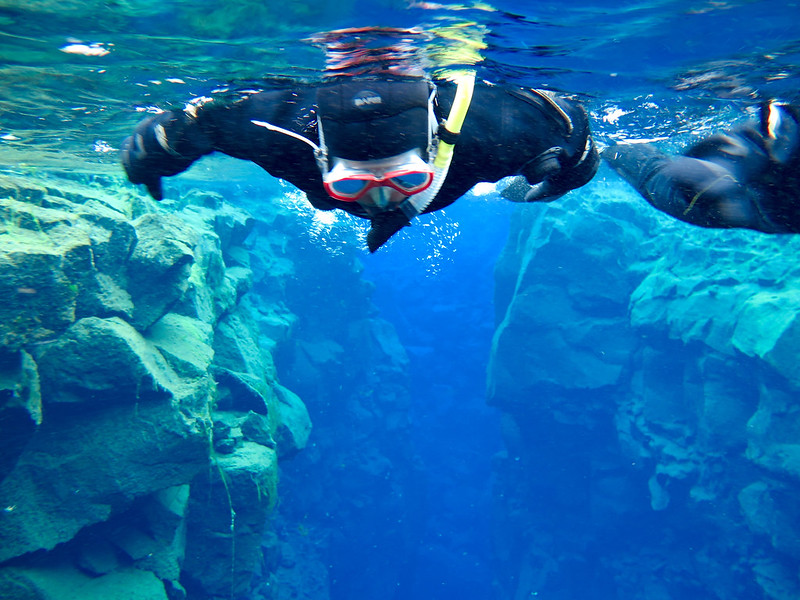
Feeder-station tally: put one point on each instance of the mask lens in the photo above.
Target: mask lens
(349, 187)
(411, 180)
(350, 180)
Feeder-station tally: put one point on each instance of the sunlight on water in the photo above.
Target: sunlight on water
(96, 66)
(675, 121)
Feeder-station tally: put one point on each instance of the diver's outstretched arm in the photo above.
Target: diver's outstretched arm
(163, 145)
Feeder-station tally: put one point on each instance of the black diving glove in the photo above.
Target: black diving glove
(146, 159)
(519, 190)
(553, 180)
(384, 226)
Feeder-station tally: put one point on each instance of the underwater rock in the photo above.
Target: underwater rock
(232, 225)
(159, 267)
(292, 571)
(666, 358)
(102, 296)
(205, 284)
(554, 327)
(241, 368)
(294, 426)
(379, 342)
(768, 328)
(219, 275)
(67, 583)
(778, 580)
(231, 429)
(104, 361)
(81, 468)
(65, 261)
(770, 509)
(116, 318)
(39, 296)
(730, 294)
(226, 520)
(659, 496)
(239, 392)
(236, 346)
(98, 557)
(256, 428)
(153, 535)
(184, 342)
(20, 404)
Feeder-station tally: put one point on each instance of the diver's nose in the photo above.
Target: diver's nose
(384, 196)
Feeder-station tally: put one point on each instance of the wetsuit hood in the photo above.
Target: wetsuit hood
(368, 118)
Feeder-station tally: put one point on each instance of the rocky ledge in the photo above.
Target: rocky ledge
(648, 374)
(141, 418)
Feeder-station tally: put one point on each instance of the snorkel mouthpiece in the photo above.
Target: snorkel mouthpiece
(381, 196)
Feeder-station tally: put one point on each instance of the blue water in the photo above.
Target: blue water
(426, 519)
(447, 326)
(431, 535)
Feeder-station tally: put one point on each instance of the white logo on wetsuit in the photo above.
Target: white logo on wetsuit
(366, 98)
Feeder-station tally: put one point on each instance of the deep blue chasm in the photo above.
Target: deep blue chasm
(445, 320)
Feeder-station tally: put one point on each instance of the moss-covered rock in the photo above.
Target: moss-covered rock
(104, 361)
(158, 270)
(226, 520)
(82, 468)
(39, 296)
(184, 342)
(68, 583)
(122, 327)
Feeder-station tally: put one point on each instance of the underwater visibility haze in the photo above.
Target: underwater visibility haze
(223, 395)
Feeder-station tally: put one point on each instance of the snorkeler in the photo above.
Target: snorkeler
(382, 148)
(748, 177)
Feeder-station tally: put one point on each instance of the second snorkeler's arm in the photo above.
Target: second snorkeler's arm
(743, 178)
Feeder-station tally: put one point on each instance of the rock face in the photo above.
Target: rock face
(647, 372)
(140, 413)
(350, 506)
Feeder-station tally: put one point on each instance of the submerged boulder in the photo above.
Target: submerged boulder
(39, 296)
(81, 468)
(104, 361)
(65, 582)
(226, 520)
(158, 270)
(294, 423)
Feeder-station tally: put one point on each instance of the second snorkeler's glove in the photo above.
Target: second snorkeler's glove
(384, 226)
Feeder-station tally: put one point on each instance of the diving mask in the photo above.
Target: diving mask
(351, 180)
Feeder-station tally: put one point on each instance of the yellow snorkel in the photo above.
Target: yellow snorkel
(458, 112)
(465, 85)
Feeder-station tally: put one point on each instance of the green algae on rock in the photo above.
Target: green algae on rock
(123, 342)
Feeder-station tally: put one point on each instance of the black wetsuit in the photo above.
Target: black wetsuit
(748, 177)
(507, 131)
